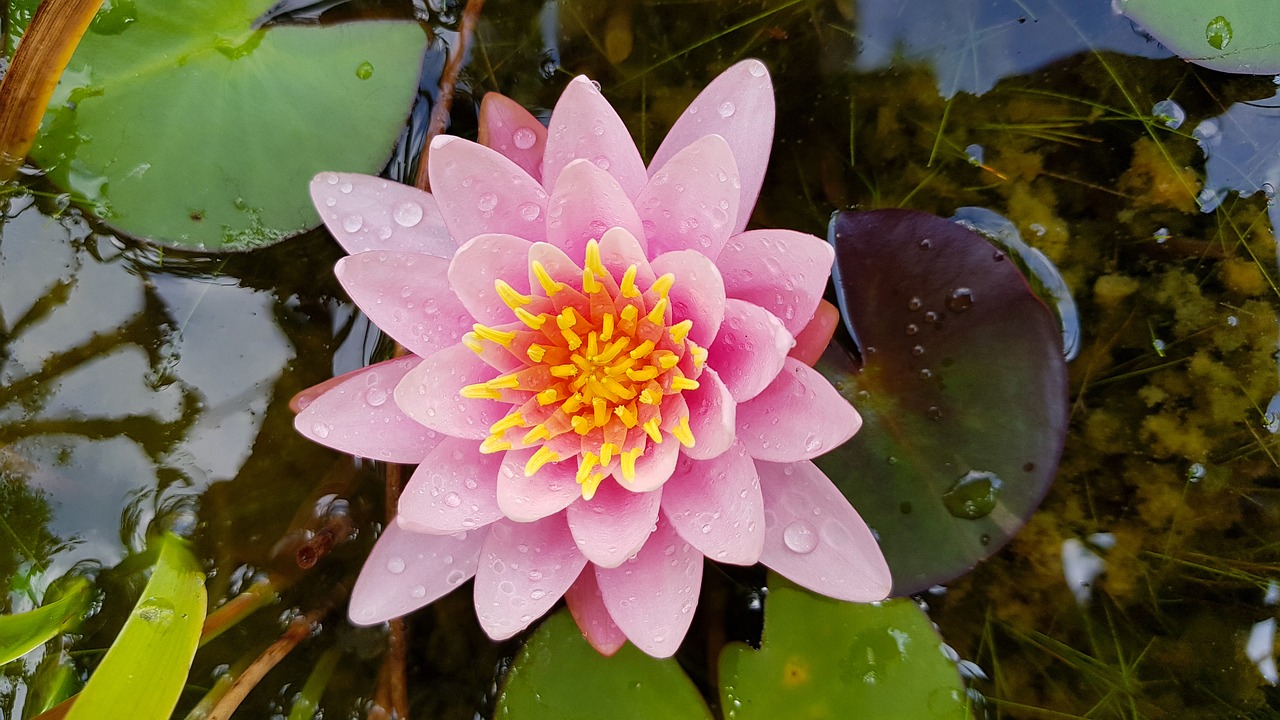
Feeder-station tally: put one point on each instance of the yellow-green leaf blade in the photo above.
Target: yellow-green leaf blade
(23, 632)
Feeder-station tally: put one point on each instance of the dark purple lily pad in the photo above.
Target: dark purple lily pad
(959, 374)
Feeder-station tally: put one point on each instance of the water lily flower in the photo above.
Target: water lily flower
(599, 391)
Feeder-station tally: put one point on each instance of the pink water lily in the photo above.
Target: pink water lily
(600, 390)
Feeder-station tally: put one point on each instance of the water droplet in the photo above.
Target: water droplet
(418, 592)
(912, 328)
(321, 430)
(961, 299)
(726, 109)
(915, 303)
(800, 537)
(455, 577)
(407, 213)
(1218, 33)
(756, 68)
(1170, 113)
(524, 138)
(813, 443)
(364, 70)
(934, 412)
(395, 565)
(917, 350)
(487, 202)
(376, 396)
(352, 223)
(926, 373)
(973, 496)
(155, 610)
(1195, 473)
(601, 162)
(453, 500)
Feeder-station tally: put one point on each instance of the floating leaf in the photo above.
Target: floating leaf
(558, 676)
(24, 632)
(823, 658)
(146, 667)
(1239, 36)
(182, 123)
(962, 388)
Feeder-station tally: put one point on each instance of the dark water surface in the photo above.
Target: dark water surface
(142, 391)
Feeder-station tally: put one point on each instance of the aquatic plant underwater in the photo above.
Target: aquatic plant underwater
(595, 378)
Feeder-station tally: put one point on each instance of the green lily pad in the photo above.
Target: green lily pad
(823, 658)
(1238, 36)
(959, 374)
(558, 676)
(180, 123)
(146, 667)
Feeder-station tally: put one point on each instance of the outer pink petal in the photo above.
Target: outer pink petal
(584, 126)
(620, 249)
(358, 416)
(737, 105)
(654, 467)
(480, 191)
(613, 525)
(453, 489)
(814, 338)
(782, 271)
(716, 505)
(408, 296)
(698, 292)
(429, 394)
(712, 416)
(652, 596)
(369, 213)
(407, 570)
(750, 349)
(589, 611)
(815, 538)
(799, 416)
(482, 260)
(524, 569)
(585, 202)
(692, 199)
(550, 490)
(508, 128)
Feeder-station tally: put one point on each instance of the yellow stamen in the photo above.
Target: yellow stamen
(515, 419)
(680, 331)
(585, 465)
(606, 327)
(573, 404)
(628, 287)
(581, 425)
(536, 352)
(651, 396)
(502, 337)
(600, 407)
(611, 352)
(659, 312)
(539, 432)
(593, 345)
(564, 371)
(627, 415)
(548, 396)
(549, 286)
(472, 341)
(629, 314)
(534, 321)
(593, 258)
(591, 485)
(683, 383)
(651, 427)
(662, 285)
(644, 374)
(543, 456)
(480, 391)
(629, 463)
(504, 382)
(510, 296)
(668, 360)
(699, 355)
(494, 444)
(606, 453)
(617, 388)
(589, 282)
(682, 432)
(642, 349)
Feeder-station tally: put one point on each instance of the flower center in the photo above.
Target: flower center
(600, 371)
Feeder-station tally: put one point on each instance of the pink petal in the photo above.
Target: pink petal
(429, 394)
(620, 249)
(585, 202)
(453, 489)
(613, 525)
(588, 610)
(712, 416)
(407, 570)
(738, 106)
(524, 569)
(584, 126)
(508, 128)
(370, 213)
(698, 292)
(814, 338)
(550, 490)
(799, 416)
(482, 260)
(358, 416)
(691, 201)
(407, 295)
(652, 596)
(750, 349)
(716, 505)
(814, 537)
(782, 271)
(654, 467)
(480, 191)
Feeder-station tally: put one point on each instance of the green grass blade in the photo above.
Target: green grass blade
(23, 632)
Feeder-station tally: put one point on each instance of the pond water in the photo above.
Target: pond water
(144, 390)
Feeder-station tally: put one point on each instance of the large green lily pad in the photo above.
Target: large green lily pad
(558, 676)
(180, 123)
(824, 659)
(1239, 36)
(959, 374)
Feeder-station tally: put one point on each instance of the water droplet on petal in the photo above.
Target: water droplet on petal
(352, 223)
(727, 109)
(395, 565)
(407, 213)
(524, 138)
(453, 500)
(800, 537)
(487, 202)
